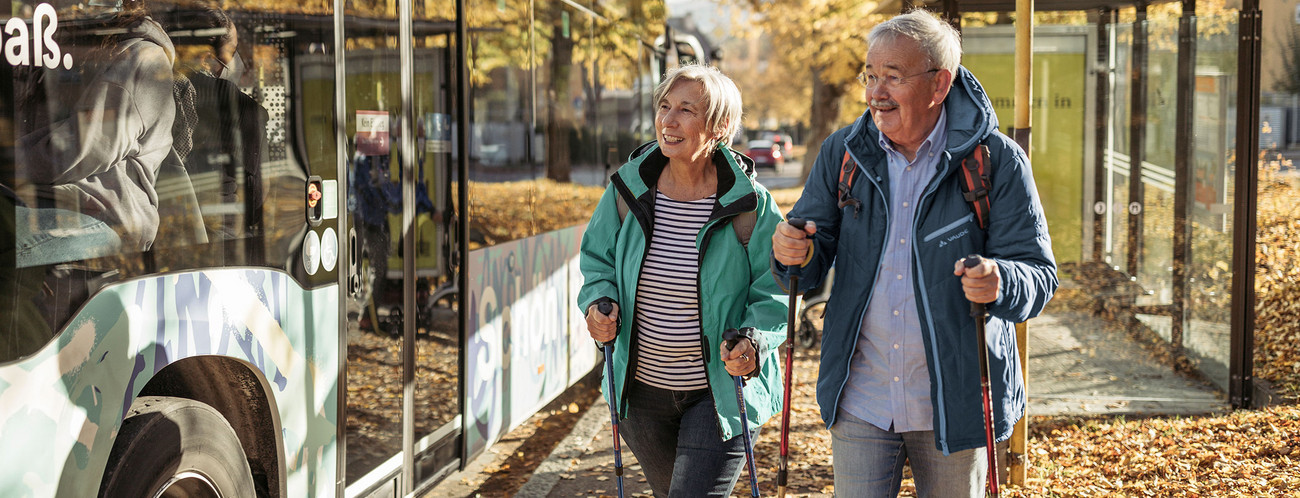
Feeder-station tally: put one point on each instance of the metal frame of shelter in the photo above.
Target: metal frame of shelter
(1241, 386)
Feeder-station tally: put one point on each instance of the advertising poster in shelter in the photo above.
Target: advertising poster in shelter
(1061, 138)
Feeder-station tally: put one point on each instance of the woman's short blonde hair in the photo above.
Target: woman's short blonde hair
(722, 98)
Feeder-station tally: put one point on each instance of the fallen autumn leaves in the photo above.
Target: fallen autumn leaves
(1245, 453)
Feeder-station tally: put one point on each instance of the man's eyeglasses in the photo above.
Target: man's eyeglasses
(890, 81)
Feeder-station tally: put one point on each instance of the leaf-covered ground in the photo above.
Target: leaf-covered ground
(1277, 281)
(1247, 453)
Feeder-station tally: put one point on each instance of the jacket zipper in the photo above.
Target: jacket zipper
(919, 290)
(870, 294)
(709, 230)
(637, 212)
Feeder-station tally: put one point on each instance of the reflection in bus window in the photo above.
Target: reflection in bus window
(92, 142)
(92, 136)
(229, 139)
(156, 142)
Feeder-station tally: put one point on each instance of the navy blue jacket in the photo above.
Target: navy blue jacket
(1016, 239)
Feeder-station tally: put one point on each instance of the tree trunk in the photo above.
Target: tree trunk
(824, 118)
(559, 106)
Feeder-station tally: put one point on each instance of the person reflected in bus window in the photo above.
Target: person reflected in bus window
(230, 136)
(665, 247)
(94, 138)
(23, 329)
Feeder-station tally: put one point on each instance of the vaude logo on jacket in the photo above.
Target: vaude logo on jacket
(37, 47)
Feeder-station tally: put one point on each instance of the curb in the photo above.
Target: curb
(573, 446)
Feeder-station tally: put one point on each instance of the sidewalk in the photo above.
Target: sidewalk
(1078, 366)
(583, 464)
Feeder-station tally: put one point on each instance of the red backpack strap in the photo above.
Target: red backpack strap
(848, 171)
(975, 184)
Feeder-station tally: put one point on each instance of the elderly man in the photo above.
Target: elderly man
(899, 378)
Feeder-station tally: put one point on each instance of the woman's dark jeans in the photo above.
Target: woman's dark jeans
(674, 435)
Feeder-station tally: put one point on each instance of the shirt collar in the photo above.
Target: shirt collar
(936, 140)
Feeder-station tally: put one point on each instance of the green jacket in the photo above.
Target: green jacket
(735, 285)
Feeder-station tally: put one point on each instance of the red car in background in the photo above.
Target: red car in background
(778, 138)
(765, 153)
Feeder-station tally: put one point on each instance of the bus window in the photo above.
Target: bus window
(153, 140)
(437, 341)
(375, 327)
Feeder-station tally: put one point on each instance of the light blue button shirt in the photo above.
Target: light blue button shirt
(889, 385)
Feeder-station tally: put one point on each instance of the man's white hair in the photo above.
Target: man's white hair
(937, 39)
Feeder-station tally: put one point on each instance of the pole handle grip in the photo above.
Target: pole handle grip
(730, 337)
(605, 307)
(971, 261)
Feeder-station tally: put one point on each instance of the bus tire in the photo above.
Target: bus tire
(176, 447)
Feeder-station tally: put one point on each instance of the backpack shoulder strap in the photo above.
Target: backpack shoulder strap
(622, 207)
(743, 225)
(976, 185)
(848, 171)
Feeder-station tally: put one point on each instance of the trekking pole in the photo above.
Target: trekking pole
(782, 472)
(605, 307)
(978, 313)
(730, 337)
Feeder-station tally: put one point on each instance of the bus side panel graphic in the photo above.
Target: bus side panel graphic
(519, 347)
(65, 404)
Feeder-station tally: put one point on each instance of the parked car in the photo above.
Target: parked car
(782, 139)
(765, 153)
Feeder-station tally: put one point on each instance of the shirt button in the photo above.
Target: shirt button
(895, 346)
(895, 379)
(909, 168)
(895, 312)
(902, 241)
(904, 204)
(900, 277)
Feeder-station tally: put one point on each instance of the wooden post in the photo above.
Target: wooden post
(1017, 451)
(1017, 471)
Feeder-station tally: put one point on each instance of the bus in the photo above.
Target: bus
(288, 249)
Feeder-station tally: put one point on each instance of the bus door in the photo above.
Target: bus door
(403, 335)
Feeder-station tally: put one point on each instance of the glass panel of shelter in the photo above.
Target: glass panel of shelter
(1149, 264)
(1138, 174)
(1209, 308)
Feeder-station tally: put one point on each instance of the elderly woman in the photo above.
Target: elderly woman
(667, 247)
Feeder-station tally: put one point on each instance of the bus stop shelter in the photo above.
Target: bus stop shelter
(1153, 209)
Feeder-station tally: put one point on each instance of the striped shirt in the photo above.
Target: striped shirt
(667, 298)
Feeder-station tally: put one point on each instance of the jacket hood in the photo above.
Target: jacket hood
(970, 119)
(736, 175)
(147, 29)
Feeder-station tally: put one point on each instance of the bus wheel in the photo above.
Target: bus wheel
(175, 447)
